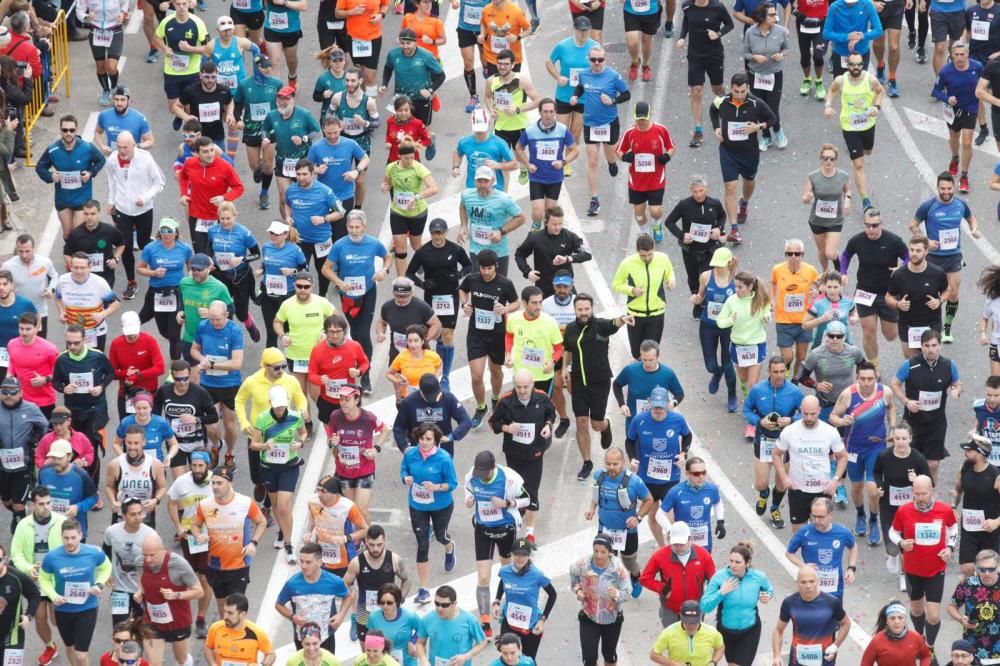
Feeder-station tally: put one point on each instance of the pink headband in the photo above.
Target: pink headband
(374, 642)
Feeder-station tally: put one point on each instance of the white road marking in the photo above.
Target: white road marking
(134, 22)
(936, 127)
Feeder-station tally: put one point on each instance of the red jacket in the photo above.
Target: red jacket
(676, 582)
(143, 354)
(22, 49)
(334, 362)
(201, 183)
(82, 448)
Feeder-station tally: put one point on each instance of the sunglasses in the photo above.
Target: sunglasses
(119, 641)
(9, 392)
(392, 602)
(834, 336)
(873, 226)
(986, 569)
(440, 604)
(597, 60)
(854, 65)
(278, 366)
(167, 230)
(829, 158)
(68, 130)
(701, 473)
(793, 254)
(182, 379)
(210, 77)
(303, 286)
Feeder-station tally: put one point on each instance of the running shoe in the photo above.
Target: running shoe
(130, 291)
(484, 622)
(911, 40)
(647, 73)
(534, 25)
(151, 57)
(776, 520)
(668, 29)
(946, 335)
(202, 6)
(921, 55)
(48, 655)
(860, 526)
(633, 71)
(713, 382)
(290, 555)
(258, 174)
(840, 497)
(253, 331)
(953, 166)
(522, 176)
(606, 436)
(354, 628)
(892, 564)
(473, 104)
(585, 471)
(963, 184)
(613, 169)
(732, 404)
(264, 201)
(477, 418)
(279, 541)
(866, 203)
(658, 233)
(984, 134)
(893, 88)
(562, 428)
(742, 212)
(423, 596)
(874, 533)
(902, 582)
(231, 460)
(780, 140)
(636, 588)
(258, 492)
(697, 138)
(760, 506)
(764, 143)
(200, 628)
(536, 225)
(734, 236)
(449, 558)
(749, 432)
(820, 93)
(594, 208)
(805, 87)
(366, 384)
(431, 151)
(567, 170)
(880, 74)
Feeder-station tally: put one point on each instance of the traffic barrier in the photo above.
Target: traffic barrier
(58, 75)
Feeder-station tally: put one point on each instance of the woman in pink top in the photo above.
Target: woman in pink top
(83, 450)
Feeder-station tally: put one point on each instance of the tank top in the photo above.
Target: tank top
(508, 96)
(133, 483)
(856, 101)
(868, 430)
(715, 297)
(349, 126)
(165, 615)
(229, 61)
(369, 582)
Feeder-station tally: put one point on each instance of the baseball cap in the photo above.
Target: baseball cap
(349, 389)
(277, 396)
(522, 547)
(304, 275)
(485, 462)
(962, 645)
(11, 382)
(201, 261)
(836, 327)
(562, 276)
(582, 23)
(169, 223)
(480, 120)
(721, 257)
(402, 288)
(4, 36)
(984, 446)
(226, 472)
(330, 484)
(286, 91)
(60, 415)
(60, 449)
(130, 323)
(484, 173)
(407, 35)
(680, 532)
(277, 227)
(641, 111)
(224, 23)
(690, 612)
(659, 397)
(437, 224)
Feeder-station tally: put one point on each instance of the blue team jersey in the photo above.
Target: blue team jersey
(573, 59)
(338, 159)
(641, 383)
(282, 19)
(694, 507)
(642, 7)
(610, 512)
(943, 222)
(352, 259)
(658, 446)
(450, 637)
(74, 573)
(483, 492)
(868, 430)
(158, 431)
(229, 63)
(274, 259)
(488, 214)
(715, 298)
(305, 203)
(72, 487)
(174, 260)
(520, 589)
(218, 345)
(546, 146)
(988, 425)
(608, 82)
(228, 244)
(9, 314)
(401, 631)
(477, 153)
(113, 123)
(826, 551)
(813, 625)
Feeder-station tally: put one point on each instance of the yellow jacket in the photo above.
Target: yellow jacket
(254, 389)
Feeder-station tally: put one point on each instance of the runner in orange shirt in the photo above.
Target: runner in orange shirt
(413, 362)
(364, 32)
(429, 28)
(236, 640)
(793, 287)
(501, 28)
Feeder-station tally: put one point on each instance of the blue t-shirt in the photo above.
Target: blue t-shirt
(350, 259)
(523, 660)
(158, 431)
(72, 487)
(658, 445)
(339, 159)
(610, 513)
(113, 123)
(219, 345)
(282, 19)
(813, 624)
(450, 637)
(478, 152)
(546, 146)
(608, 82)
(943, 222)
(641, 383)
(174, 260)
(572, 59)
(488, 214)
(841, 312)
(236, 242)
(306, 202)
(694, 507)
(826, 551)
(9, 315)
(400, 631)
(274, 259)
(520, 590)
(78, 568)
(960, 84)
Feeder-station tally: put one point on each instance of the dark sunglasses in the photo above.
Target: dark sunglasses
(442, 604)
(392, 602)
(701, 473)
(278, 366)
(873, 226)
(68, 130)
(182, 379)
(829, 158)
(303, 286)
(986, 569)
(834, 336)
(9, 392)
(793, 254)
(597, 60)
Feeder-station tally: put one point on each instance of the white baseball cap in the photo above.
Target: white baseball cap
(480, 120)
(130, 323)
(680, 532)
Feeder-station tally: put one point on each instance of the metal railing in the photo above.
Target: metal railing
(58, 73)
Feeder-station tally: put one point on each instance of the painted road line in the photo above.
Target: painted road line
(134, 22)
(937, 127)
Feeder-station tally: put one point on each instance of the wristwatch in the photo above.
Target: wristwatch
(254, 542)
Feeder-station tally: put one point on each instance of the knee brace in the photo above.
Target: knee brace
(819, 51)
(631, 562)
(401, 255)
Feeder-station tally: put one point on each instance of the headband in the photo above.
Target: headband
(374, 642)
(311, 630)
(200, 455)
(895, 609)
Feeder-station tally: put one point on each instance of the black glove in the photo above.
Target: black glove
(664, 158)
(720, 529)
(430, 285)
(628, 157)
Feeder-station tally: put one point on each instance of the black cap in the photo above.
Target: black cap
(641, 111)
(582, 23)
(485, 462)
(402, 288)
(262, 61)
(304, 275)
(963, 645)
(690, 612)
(522, 547)
(225, 471)
(330, 484)
(11, 382)
(429, 384)
(407, 35)
(437, 224)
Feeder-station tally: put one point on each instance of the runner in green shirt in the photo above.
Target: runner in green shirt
(254, 99)
(289, 128)
(409, 184)
(198, 290)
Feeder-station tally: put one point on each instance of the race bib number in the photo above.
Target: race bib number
(980, 30)
(488, 513)
(738, 131)
(333, 387)
(746, 355)
(300, 365)
(228, 80)
(259, 111)
(600, 133)
(532, 357)
(948, 239)
(815, 474)
(827, 209)
(900, 496)
(574, 76)
(701, 233)
(241, 4)
(288, 167)
(485, 319)
(12, 657)
(699, 535)
(660, 469)
(929, 400)
(371, 602)
(323, 249)
(349, 456)
(4, 358)
(524, 433)
(472, 15)
(76, 592)
(276, 285)
(102, 38)
(795, 302)
(335, 25)
(420, 494)
(12, 459)
(443, 304)
(70, 180)
(209, 113)
(119, 603)
(60, 504)
(852, 457)
(972, 520)
(913, 336)
(165, 302)
(713, 309)
(927, 534)
(763, 81)
(862, 297)
(859, 120)
(482, 234)
(194, 547)
(277, 21)
(84, 381)
(641, 405)
(331, 554)
(547, 151)
(399, 341)
(948, 113)
(361, 48)
(828, 580)
(277, 455)
(641, 5)
(498, 43)
(90, 335)
(180, 61)
(645, 163)
(224, 258)
(503, 100)
(160, 613)
(352, 126)
(766, 450)
(404, 200)
(618, 538)
(204, 225)
(809, 655)
(355, 285)
(519, 616)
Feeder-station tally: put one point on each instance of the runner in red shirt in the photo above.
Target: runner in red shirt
(356, 437)
(404, 124)
(334, 362)
(205, 181)
(137, 361)
(647, 148)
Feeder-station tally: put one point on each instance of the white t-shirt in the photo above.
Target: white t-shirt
(809, 452)
(31, 280)
(991, 311)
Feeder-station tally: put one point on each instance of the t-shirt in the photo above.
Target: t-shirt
(486, 215)
(413, 73)
(158, 432)
(280, 130)
(827, 208)
(826, 551)
(929, 531)
(483, 296)
(431, 26)
(658, 445)
(641, 383)
(196, 295)
(809, 452)
(943, 222)
(361, 27)
(791, 292)
(646, 173)
(813, 624)
(573, 59)
(196, 402)
(304, 203)
(399, 318)
(413, 369)
(991, 313)
(230, 527)
(406, 183)
(240, 645)
(535, 341)
(608, 82)
(173, 32)
(218, 345)
(304, 325)
(610, 513)
(99, 244)
(351, 259)
(509, 16)
(836, 368)
(209, 107)
(932, 281)
(876, 260)
(694, 507)
(188, 494)
(676, 644)
(477, 153)
(273, 260)
(9, 327)
(400, 631)
(74, 575)
(175, 259)
(339, 158)
(447, 638)
(317, 602)
(126, 551)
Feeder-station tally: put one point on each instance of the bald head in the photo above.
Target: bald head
(807, 582)
(615, 454)
(125, 143)
(810, 411)
(923, 491)
(153, 551)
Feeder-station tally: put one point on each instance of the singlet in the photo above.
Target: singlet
(715, 298)
(868, 431)
(856, 100)
(369, 582)
(229, 61)
(508, 96)
(135, 483)
(343, 518)
(348, 124)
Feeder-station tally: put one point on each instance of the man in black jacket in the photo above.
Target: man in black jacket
(552, 248)
(431, 405)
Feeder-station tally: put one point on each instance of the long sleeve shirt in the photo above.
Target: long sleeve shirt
(526, 442)
(253, 392)
(203, 182)
(739, 611)
(757, 43)
(442, 412)
(843, 18)
(106, 14)
(698, 21)
(92, 368)
(764, 399)
(732, 118)
(144, 355)
(70, 163)
(543, 247)
(960, 84)
(138, 179)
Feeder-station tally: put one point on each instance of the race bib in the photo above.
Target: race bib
(972, 520)
(948, 239)
(766, 450)
(900, 496)
(645, 163)
(350, 456)
(600, 133)
(828, 579)
(335, 25)
(929, 400)
(862, 297)
(443, 304)
(746, 355)
(165, 302)
(90, 335)
(519, 616)
(713, 309)
(277, 21)
(399, 341)
(204, 225)
(827, 209)
(216, 358)
(84, 381)
(403, 200)
(472, 15)
(738, 131)
(482, 234)
(331, 554)
(980, 30)
(485, 319)
(4, 358)
(913, 336)
(618, 538)
(641, 405)
(241, 4)
(927, 534)
(701, 233)
(209, 113)
(503, 100)
(524, 433)
(288, 167)
(259, 111)
(323, 249)
(355, 285)
(160, 613)
(12, 459)
(224, 258)
(60, 504)
(660, 469)
(547, 151)
(180, 61)
(277, 455)
(420, 494)
(815, 474)
(70, 180)
(76, 592)
(809, 655)
(488, 513)
(12, 657)
(276, 285)
(948, 113)
(532, 357)
(641, 5)
(228, 80)
(194, 547)
(361, 48)
(699, 535)
(371, 602)
(102, 38)
(763, 81)
(300, 365)
(795, 302)
(859, 120)
(119, 603)
(498, 43)
(574, 76)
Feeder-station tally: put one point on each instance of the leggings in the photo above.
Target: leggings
(772, 98)
(199, 239)
(646, 328)
(309, 249)
(166, 322)
(77, 629)
(923, 25)
(421, 522)
(695, 263)
(361, 325)
(269, 309)
(241, 289)
(142, 224)
(715, 350)
(812, 43)
(605, 636)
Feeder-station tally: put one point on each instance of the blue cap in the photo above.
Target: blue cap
(963, 645)
(835, 327)
(563, 277)
(659, 397)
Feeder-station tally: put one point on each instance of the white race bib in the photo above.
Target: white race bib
(288, 167)
(498, 43)
(12, 657)
(180, 61)
(119, 603)
(361, 48)
(701, 233)
(913, 336)
(223, 258)
(980, 30)
(532, 357)
(323, 248)
(763, 81)
(795, 302)
(519, 616)
(399, 341)
(102, 38)
(12, 459)
(503, 100)
(746, 356)
(486, 320)
(972, 520)
(699, 535)
(300, 365)
(208, 113)
(618, 538)
(276, 285)
(277, 21)
(76, 592)
(355, 285)
(641, 5)
(259, 111)
(371, 602)
(403, 200)
(827, 209)
(828, 579)
(547, 151)
(165, 302)
(331, 554)
(600, 133)
(524, 433)
(645, 163)
(482, 234)
(809, 654)
(350, 456)
(70, 180)
(84, 381)
(278, 455)
(859, 120)
(713, 308)
(160, 613)
(766, 450)
(443, 304)
(194, 547)
(203, 225)
(420, 494)
(333, 387)
(574, 76)
(4, 358)
(929, 400)
(948, 239)
(862, 297)
(488, 513)
(927, 534)
(948, 113)
(898, 496)
(738, 131)
(659, 469)
(472, 16)
(241, 4)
